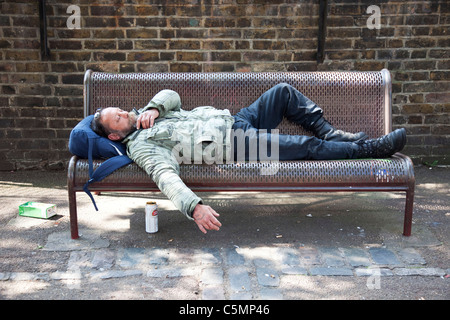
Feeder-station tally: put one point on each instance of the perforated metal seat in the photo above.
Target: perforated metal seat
(353, 101)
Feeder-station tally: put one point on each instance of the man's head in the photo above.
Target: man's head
(114, 123)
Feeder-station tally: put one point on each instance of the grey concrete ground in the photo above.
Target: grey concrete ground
(271, 246)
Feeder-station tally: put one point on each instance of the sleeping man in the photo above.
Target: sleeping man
(161, 135)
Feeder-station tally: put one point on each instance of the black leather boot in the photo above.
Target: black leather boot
(382, 147)
(325, 131)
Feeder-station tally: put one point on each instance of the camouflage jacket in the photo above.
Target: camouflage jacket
(179, 136)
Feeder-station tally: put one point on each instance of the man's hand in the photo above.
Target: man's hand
(147, 119)
(205, 218)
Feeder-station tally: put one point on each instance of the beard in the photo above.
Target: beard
(132, 117)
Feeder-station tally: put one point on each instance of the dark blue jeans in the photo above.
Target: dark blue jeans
(254, 126)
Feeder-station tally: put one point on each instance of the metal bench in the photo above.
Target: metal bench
(352, 101)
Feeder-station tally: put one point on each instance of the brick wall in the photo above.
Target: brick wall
(41, 99)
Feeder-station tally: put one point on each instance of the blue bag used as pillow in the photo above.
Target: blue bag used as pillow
(87, 144)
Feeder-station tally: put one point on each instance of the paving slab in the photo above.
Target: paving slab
(384, 256)
(239, 279)
(411, 256)
(267, 277)
(331, 271)
(332, 257)
(357, 257)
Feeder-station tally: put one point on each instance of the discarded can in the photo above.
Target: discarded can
(151, 217)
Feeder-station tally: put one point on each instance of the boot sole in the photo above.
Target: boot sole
(399, 147)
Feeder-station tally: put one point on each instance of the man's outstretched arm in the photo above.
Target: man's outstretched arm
(161, 165)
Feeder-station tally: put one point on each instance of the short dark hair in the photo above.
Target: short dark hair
(97, 126)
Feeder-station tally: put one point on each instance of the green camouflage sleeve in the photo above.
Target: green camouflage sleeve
(164, 101)
(162, 167)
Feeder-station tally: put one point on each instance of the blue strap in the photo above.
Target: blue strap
(108, 166)
(105, 169)
(91, 166)
(86, 189)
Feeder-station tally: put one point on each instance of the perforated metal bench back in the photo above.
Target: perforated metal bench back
(353, 101)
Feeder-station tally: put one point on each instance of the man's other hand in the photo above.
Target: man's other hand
(205, 218)
(147, 119)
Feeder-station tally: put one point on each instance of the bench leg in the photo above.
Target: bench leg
(408, 211)
(73, 215)
(72, 197)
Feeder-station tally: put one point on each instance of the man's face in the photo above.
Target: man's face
(120, 122)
